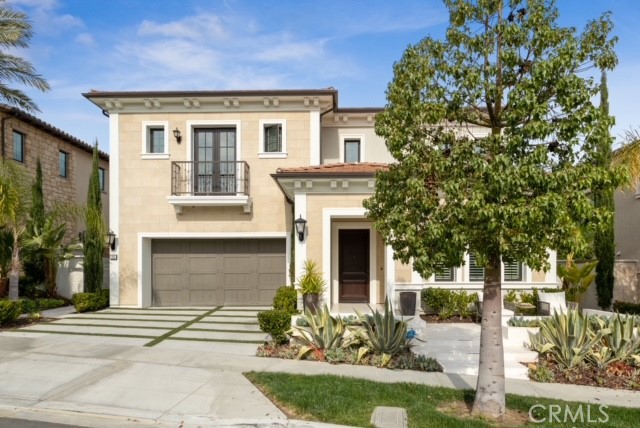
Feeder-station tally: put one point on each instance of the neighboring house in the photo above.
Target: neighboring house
(66, 161)
(627, 237)
(206, 186)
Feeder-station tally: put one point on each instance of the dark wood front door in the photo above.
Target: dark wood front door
(353, 255)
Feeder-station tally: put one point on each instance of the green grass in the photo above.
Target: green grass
(168, 334)
(349, 401)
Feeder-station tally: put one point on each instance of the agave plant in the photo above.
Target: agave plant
(567, 337)
(620, 338)
(323, 332)
(383, 334)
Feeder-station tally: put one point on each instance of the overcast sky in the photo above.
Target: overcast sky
(109, 45)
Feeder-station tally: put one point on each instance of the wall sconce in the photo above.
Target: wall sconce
(300, 225)
(111, 240)
(81, 236)
(178, 135)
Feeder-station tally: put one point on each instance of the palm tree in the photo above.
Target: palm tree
(628, 155)
(15, 32)
(13, 203)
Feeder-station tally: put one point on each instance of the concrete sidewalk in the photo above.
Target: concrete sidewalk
(107, 381)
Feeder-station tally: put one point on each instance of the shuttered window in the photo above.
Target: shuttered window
(476, 273)
(444, 274)
(513, 271)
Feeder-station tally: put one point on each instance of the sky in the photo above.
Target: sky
(121, 45)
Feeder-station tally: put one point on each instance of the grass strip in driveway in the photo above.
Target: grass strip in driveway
(217, 330)
(121, 319)
(75, 333)
(234, 316)
(106, 325)
(170, 333)
(145, 315)
(230, 322)
(200, 339)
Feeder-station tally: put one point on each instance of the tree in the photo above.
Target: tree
(491, 129)
(13, 207)
(95, 232)
(604, 239)
(15, 32)
(45, 244)
(34, 264)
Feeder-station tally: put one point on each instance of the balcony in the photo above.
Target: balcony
(209, 183)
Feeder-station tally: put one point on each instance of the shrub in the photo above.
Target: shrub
(324, 332)
(10, 310)
(88, 302)
(627, 308)
(521, 322)
(286, 299)
(31, 288)
(383, 334)
(32, 306)
(411, 361)
(448, 303)
(530, 298)
(275, 323)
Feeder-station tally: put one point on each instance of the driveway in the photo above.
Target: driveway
(231, 330)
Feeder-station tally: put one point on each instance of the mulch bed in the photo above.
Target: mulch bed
(616, 376)
(24, 322)
(454, 319)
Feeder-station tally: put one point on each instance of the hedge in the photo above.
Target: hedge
(88, 302)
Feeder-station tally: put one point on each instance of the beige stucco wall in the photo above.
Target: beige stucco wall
(146, 183)
(373, 148)
(625, 285)
(315, 204)
(627, 225)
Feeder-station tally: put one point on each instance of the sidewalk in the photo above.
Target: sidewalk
(104, 381)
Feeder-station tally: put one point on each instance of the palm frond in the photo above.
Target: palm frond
(628, 156)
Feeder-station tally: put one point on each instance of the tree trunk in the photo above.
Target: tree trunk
(489, 400)
(14, 272)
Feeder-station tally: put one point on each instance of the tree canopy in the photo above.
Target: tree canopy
(493, 130)
(16, 32)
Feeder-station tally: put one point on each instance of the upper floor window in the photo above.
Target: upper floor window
(476, 272)
(102, 179)
(273, 138)
(63, 163)
(155, 141)
(513, 271)
(351, 151)
(18, 146)
(273, 142)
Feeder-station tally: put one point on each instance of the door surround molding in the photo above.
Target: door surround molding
(330, 222)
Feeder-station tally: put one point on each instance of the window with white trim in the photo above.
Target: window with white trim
(155, 140)
(351, 150)
(512, 271)
(273, 138)
(444, 274)
(476, 272)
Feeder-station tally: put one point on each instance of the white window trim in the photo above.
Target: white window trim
(272, 155)
(360, 137)
(146, 125)
(192, 124)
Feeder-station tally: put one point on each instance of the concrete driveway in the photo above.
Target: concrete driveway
(231, 330)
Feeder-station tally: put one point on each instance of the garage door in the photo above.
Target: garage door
(208, 272)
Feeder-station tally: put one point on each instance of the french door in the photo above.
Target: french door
(214, 155)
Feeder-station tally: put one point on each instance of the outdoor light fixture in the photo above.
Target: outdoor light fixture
(111, 240)
(300, 225)
(81, 236)
(178, 135)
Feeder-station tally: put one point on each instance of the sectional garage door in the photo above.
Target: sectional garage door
(209, 272)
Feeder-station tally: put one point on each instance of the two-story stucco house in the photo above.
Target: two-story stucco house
(66, 161)
(206, 187)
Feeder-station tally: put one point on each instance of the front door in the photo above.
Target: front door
(353, 261)
(214, 155)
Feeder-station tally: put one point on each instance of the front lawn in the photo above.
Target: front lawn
(349, 401)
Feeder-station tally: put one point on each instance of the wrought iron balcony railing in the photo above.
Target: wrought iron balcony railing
(209, 178)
